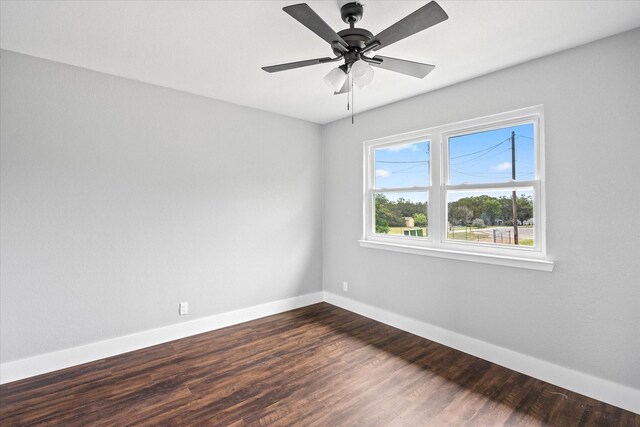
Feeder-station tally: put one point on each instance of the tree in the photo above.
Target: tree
(459, 214)
(407, 208)
(506, 210)
(491, 210)
(383, 213)
(420, 219)
(478, 222)
(386, 214)
(525, 208)
(382, 226)
(396, 221)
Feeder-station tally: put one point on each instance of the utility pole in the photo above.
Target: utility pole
(514, 198)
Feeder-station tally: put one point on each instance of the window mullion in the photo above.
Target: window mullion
(435, 197)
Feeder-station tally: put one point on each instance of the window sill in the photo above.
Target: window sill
(528, 263)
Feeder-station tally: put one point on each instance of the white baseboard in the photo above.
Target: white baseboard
(36, 365)
(606, 391)
(615, 394)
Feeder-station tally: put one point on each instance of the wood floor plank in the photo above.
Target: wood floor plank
(315, 366)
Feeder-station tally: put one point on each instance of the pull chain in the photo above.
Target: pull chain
(352, 101)
(350, 97)
(348, 85)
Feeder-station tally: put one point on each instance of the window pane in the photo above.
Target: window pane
(486, 156)
(401, 214)
(487, 217)
(402, 165)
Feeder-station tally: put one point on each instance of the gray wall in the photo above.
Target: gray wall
(121, 199)
(585, 314)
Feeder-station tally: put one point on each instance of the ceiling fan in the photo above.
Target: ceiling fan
(352, 44)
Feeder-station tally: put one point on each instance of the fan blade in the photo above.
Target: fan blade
(423, 18)
(292, 65)
(346, 88)
(307, 17)
(410, 68)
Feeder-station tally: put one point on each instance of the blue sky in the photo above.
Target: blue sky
(404, 165)
(482, 157)
(486, 156)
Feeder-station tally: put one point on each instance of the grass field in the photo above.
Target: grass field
(480, 235)
(399, 231)
(504, 235)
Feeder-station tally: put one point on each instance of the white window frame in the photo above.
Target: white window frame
(437, 244)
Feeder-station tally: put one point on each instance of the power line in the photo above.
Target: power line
(406, 169)
(488, 149)
(471, 161)
(480, 151)
(484, 153)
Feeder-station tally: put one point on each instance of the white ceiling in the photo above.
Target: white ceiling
(216, 48)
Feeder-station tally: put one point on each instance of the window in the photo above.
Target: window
(401, 195)
(471, 190)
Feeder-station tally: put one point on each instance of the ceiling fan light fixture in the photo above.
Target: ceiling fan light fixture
(335, 79)
(362, 73)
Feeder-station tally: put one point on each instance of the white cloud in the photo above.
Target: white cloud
(412, 147)
(382, 173)
(503, 166)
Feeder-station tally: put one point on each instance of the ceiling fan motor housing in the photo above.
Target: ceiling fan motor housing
(355, 38)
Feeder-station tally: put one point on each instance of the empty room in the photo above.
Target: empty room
(333, 213)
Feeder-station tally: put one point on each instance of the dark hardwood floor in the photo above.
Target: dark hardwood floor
(316, 366)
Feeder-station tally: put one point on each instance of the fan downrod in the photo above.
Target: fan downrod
(354, 37)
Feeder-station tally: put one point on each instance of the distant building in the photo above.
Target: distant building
(408, 222)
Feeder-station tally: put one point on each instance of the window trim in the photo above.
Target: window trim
(437, 244)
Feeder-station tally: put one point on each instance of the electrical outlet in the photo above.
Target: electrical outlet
(345, 286)
(184, 308)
